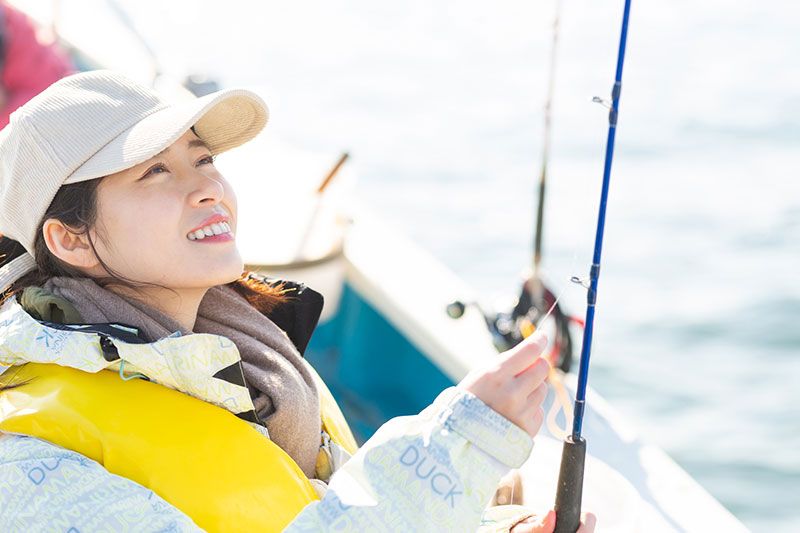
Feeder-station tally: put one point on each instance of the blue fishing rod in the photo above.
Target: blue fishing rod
(570, 479)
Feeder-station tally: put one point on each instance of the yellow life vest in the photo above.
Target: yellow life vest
(202, 459)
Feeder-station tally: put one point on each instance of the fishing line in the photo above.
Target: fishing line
(563, 400)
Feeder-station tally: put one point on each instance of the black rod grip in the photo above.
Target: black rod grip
(570, 486)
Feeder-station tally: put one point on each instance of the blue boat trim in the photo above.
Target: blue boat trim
(372, 369)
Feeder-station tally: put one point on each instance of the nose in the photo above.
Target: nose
(205, 190)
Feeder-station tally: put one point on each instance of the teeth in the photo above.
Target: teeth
(208, 231)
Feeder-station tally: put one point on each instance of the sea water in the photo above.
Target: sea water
(441, 105)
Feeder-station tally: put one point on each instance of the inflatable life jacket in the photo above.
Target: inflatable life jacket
(210, 464)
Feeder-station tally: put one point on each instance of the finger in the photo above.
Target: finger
(538, 395)
(549, 522)
(533, 377)
(532, 421)
(536, 524)
(524, 354)
(588, 523)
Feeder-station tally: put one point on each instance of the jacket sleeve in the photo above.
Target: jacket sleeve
(46, 488)
(435, 471)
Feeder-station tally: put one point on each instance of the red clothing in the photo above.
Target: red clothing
(29, 66)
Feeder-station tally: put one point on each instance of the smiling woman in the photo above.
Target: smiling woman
(128, 324)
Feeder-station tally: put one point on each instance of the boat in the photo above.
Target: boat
(386, 344)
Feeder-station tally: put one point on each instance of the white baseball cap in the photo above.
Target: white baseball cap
(89, 125)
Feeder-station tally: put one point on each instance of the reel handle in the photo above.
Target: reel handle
(570, 486)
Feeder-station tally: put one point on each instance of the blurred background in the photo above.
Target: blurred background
(440, 105)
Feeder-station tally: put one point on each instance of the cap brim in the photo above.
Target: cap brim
(223, 120)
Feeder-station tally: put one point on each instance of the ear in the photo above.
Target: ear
(69, 246)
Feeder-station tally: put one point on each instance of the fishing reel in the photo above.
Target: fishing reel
(534, 303)
(532, 307)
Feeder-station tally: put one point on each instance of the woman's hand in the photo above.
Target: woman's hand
(547, 524)
(514, 385)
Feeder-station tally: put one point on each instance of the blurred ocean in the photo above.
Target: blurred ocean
(441, 103)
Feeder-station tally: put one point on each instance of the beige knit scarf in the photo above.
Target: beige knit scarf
(282, 388)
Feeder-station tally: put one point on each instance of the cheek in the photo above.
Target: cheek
(142, 238)
(136, 224)
(230, 199)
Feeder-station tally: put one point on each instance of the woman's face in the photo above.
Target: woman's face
(150, 218)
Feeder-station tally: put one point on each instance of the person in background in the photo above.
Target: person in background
(28, 63)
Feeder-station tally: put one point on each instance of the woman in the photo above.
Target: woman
(122, 234)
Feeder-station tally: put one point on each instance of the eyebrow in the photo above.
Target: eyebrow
(194, 143)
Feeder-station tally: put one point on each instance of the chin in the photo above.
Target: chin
(231, 273)
(215, 271)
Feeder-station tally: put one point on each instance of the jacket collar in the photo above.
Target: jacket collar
(299, 316)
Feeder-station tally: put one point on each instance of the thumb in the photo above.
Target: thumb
(548, 524)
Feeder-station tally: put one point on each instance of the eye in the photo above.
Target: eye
(158, 168)
(207, 160)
